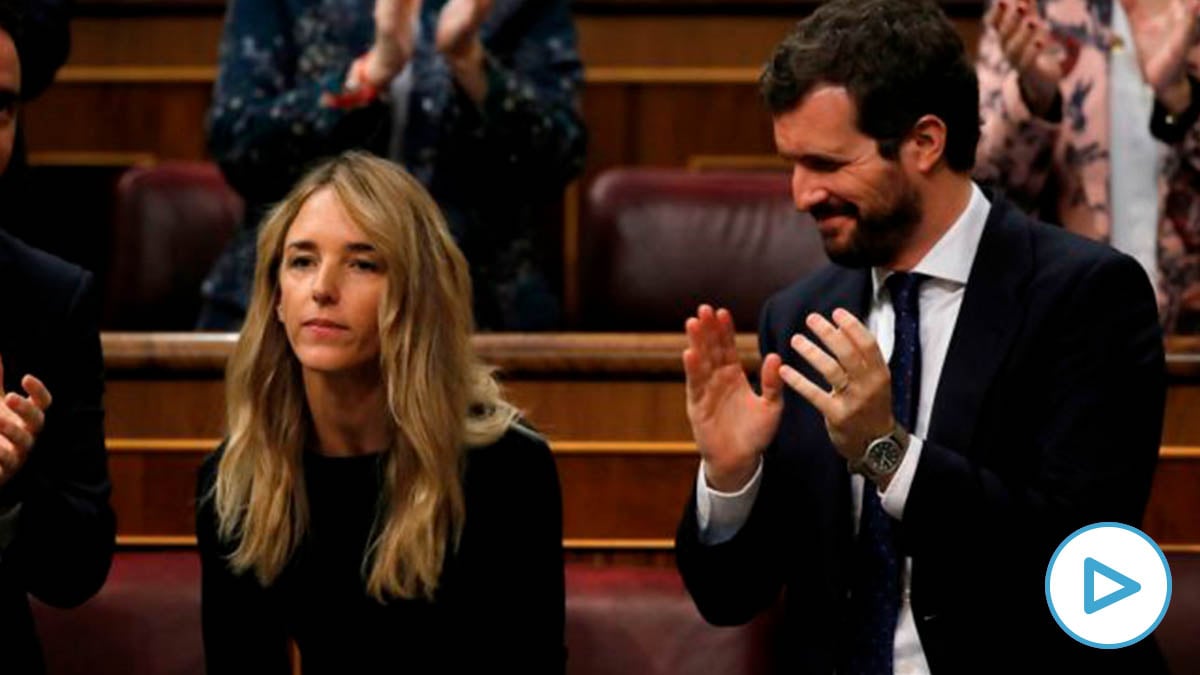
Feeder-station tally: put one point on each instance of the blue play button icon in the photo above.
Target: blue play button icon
(1093, 567)
(1080, 588)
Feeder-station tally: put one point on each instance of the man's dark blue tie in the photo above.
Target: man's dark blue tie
(875, 587)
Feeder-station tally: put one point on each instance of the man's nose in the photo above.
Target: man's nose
(806, 189)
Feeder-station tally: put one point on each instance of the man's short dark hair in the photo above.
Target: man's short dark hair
(898, 59)
(12, 19)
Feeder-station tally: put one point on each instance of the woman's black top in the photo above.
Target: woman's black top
(499, 603)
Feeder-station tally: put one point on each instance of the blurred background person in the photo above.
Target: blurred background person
(477, 100)
(1089, 119)
(377, 500)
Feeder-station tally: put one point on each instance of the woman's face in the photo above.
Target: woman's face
(331, 281)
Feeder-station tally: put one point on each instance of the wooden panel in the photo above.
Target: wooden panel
(154, 493)
(711, 38)
(623, 495)
(163, 40)
(612, 406)
(1173, 515)
(164, 408)
(1181, 423)
(165, 120)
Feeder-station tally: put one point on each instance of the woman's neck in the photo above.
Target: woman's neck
(349, 412)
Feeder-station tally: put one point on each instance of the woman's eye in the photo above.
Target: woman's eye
(366, 265)
(300, 262)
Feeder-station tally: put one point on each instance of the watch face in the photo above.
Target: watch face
(883, 457)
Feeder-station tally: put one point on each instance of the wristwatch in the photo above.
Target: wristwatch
(883, 455)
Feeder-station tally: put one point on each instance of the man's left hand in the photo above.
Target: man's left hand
(858, 408)
(21, 420)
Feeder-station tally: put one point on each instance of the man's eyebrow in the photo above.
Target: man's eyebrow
(812, 156)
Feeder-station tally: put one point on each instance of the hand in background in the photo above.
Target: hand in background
(458, 28)
(21, 420)
(1030, 50)
(732, 424)
(394, 36)
(1163, 42)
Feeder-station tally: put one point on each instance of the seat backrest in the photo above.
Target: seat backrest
(172, 222)
(1176, 635)
(146, 621)
(641, 620)
(655, 243)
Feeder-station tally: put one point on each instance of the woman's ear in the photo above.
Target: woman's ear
(926, 143)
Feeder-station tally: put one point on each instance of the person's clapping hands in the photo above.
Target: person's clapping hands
(21, 420)
(731, 424)
(1031, 51)
(858, 407)
(394, 39)
(1163, 43)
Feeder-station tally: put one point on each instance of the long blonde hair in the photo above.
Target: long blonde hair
(441, 399)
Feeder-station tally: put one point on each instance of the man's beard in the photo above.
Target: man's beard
(877, 238)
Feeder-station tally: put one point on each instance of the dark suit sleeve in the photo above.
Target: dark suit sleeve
(733, 581)
(1096, 403)
(241, 634)
(65, 533)
(510, 563)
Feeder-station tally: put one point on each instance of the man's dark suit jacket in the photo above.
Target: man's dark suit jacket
(1048, 417)
(63, 539)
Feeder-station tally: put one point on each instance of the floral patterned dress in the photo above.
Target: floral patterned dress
(1061, 169)
(492, 168)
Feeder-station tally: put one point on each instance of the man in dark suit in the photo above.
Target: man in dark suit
(56, 525)
(939, 408)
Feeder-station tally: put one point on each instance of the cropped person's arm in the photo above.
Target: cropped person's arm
(63, 533)
(270, 118)
(1016, 144)
(527, 131)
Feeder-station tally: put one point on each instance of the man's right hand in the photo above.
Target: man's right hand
(732, 424)
(394, 35)
(1030, 50)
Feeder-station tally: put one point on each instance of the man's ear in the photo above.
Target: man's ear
(925, 145)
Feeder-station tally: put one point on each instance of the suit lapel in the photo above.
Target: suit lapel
(851, 291)
(987, 322)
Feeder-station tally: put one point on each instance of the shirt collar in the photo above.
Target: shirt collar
(951, 257)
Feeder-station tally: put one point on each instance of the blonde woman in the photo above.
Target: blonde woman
(376, 500)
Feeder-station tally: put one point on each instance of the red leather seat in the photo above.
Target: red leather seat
(146, 621)
(658, 242)
(641, 620)
(172, 222)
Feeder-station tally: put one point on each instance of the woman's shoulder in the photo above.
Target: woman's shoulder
(521, 454)
(206, 475)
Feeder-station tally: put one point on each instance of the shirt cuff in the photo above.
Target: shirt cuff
(1172, 129)
(8, 525)
(895, 496)
(722, 514)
